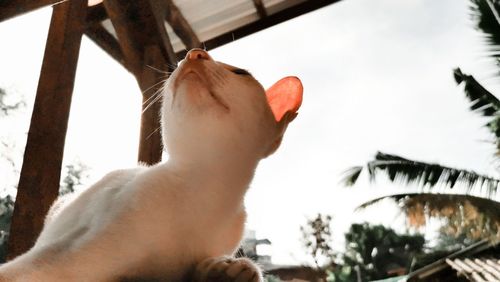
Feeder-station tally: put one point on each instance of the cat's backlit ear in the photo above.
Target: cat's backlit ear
(285, 96)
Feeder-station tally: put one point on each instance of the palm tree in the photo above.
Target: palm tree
(465, 214)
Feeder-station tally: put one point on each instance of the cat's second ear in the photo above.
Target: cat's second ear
(285, 96)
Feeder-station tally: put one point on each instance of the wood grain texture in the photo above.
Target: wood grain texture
(41, 170)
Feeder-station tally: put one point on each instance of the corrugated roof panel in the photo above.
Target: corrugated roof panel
(479, 269)
(210, 19)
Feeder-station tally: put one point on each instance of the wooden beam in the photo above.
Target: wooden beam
(137, 25)
(147, 49)
(270, 20)
(41, 170)
(158, 10)
(157, 57)
(261, 10)
(128, 37)
(173, 16)
(181, 26)
(102, 38)
(14, 8)
(96, 14)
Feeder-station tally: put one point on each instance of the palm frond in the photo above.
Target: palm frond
(481, 99)
(351, 175)
(476, 216)
(399, 169)
(485, 14)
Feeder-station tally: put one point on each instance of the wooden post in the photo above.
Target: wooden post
(41, 170)
(150, 82)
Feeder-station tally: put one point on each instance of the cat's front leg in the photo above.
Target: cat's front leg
(227, 269)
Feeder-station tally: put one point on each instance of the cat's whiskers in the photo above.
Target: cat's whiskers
(154, 98)
(167, 73)
(154, 131)
(158, 96)
(162, 80)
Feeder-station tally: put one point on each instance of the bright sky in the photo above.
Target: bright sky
(377, 76)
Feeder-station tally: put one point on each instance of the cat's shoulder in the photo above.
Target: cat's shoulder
(124, 174)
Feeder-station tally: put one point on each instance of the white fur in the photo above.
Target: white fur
(158, 222)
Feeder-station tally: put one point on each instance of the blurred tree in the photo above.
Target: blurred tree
(464, 215)
(371, 251)
(466, 218)
(376, 252)
(8, 152)
(6, 209)
(7, 107)
(75, 174)
(317, 239)
(271, 278)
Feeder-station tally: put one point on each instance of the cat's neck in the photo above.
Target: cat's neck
(227, 177)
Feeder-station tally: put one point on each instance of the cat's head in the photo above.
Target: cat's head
(212, 109)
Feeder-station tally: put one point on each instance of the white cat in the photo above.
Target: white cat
(176, 221)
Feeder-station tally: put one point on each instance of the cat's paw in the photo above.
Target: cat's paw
(227, 269)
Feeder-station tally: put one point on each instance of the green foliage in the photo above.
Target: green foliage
(6, 209)
(271, 278)
(373, 251)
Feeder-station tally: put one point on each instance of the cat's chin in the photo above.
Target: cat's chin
(191, 76)
(197, 89)
(190, 81)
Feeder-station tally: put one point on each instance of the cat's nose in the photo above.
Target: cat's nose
(197, 54)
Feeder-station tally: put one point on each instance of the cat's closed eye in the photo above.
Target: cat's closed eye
(240, 71)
